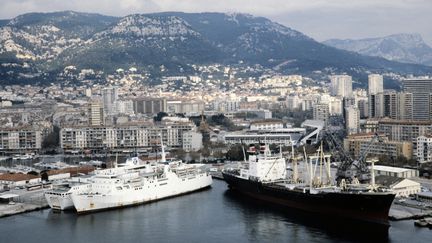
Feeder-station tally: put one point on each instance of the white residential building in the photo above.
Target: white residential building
(424, 149)
(321, 112)
(88, 92)
(227, 105)
(341, 85)
(375, 84)
(21, 138)
(268, 124)
(5, 103)
(124, 107)
(192, 141)
(109, 96)
(335, 106)
(185, 107)
(125, 135)
(352, 119)
(293, 102)
(96, 113)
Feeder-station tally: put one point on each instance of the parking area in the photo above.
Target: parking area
(24, 201)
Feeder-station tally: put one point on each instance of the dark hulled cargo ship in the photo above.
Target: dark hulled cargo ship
(264, 178)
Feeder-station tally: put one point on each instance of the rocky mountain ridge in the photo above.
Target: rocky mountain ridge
(39, 46)
(407, 48)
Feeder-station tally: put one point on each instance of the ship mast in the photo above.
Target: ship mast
(294, 161)
(321, 164)
(306, 162)
(314, 178)
(310, 174)
(244, 154)
(327, 163)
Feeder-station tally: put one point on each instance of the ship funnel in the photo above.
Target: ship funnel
(262, 148)
(252, 149)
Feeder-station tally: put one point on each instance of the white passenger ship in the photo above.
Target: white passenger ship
(59, 197)
(166, 179)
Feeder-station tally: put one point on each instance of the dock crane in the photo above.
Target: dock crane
(350, 169)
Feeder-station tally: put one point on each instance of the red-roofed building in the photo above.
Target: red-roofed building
(13, 180)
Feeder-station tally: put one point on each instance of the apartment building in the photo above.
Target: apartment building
(21, 138)
(126, 135)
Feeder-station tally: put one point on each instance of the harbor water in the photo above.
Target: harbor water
(213, 215)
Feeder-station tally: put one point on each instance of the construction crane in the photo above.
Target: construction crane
(349, 169)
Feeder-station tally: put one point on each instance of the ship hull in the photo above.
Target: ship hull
(86, 203)
(370, 208)
(59, 202)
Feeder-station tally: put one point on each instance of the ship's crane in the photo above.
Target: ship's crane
(350, 168)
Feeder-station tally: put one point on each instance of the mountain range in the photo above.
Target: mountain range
(407, 48)
(36, 47)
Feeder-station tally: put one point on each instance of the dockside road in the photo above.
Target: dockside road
(25, 202)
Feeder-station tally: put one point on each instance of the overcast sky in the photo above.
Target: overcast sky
(320, 19)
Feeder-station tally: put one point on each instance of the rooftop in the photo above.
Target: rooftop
(368, 135)
(404, 122)
(266, 121)
(391, 169)
(425, 194)
(388, 181)
(17, 177)
(72, 170)
(8, 196)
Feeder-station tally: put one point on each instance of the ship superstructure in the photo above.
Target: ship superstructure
(59, 197)
(140, 185)
(166, 180)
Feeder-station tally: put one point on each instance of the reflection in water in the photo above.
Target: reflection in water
(264, 217)
(215, 215)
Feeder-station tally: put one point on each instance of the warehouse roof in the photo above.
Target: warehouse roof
(391, 169)
(17, 177)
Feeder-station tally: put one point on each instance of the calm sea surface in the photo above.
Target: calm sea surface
(213, 215)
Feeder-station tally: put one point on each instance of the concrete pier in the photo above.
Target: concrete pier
(27, 201)
(18, 208)
(217, 175)
(403, 212)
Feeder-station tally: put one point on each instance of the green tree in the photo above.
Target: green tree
(44, 176)
(401, 160)
(235, 153)
(195, 156)
(178, 153)
(219, 154)
(32, 173)
(159, 116)
(205, 152)
(52, 140)
(222, 120)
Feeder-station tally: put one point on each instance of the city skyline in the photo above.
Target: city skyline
(320, 19)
